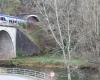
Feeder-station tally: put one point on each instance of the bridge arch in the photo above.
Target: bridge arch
(33, 18)
(7, 44)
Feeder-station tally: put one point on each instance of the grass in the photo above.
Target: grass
(37, 61)
(44, 61)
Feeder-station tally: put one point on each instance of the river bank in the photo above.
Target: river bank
(41, 61)
(49, 63)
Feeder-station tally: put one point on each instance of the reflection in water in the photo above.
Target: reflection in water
(14, 77)
(90, 74)
(77, 74)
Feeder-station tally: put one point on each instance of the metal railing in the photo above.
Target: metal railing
(26, 72)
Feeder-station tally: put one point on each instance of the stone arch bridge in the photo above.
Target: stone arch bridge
(13, 40)
(7, 42)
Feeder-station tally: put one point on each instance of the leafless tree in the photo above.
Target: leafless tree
(61, 18)
(74, 23)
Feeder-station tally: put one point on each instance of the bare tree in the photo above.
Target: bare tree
(74, 26)
(63, 23)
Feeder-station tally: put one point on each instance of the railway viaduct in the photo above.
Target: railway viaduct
(7, 42)
(13, 40)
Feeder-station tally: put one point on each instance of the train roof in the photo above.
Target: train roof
(10, 16)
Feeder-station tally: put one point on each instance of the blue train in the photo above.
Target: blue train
(6, 20)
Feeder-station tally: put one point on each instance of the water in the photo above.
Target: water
(13, 77)
(61, 74)
(77, 74)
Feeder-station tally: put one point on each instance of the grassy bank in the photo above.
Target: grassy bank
(43, 61)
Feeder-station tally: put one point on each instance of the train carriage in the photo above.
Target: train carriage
(6, 20)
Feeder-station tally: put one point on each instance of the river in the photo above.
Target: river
(77, 74)
(14, 77)
(61, 74)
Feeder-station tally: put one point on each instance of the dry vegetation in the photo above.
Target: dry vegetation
(69, 27)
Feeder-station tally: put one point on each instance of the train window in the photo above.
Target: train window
(15, 21)
(2, 18)
(10, 21)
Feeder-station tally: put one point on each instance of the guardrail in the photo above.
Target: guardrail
(26, 72)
